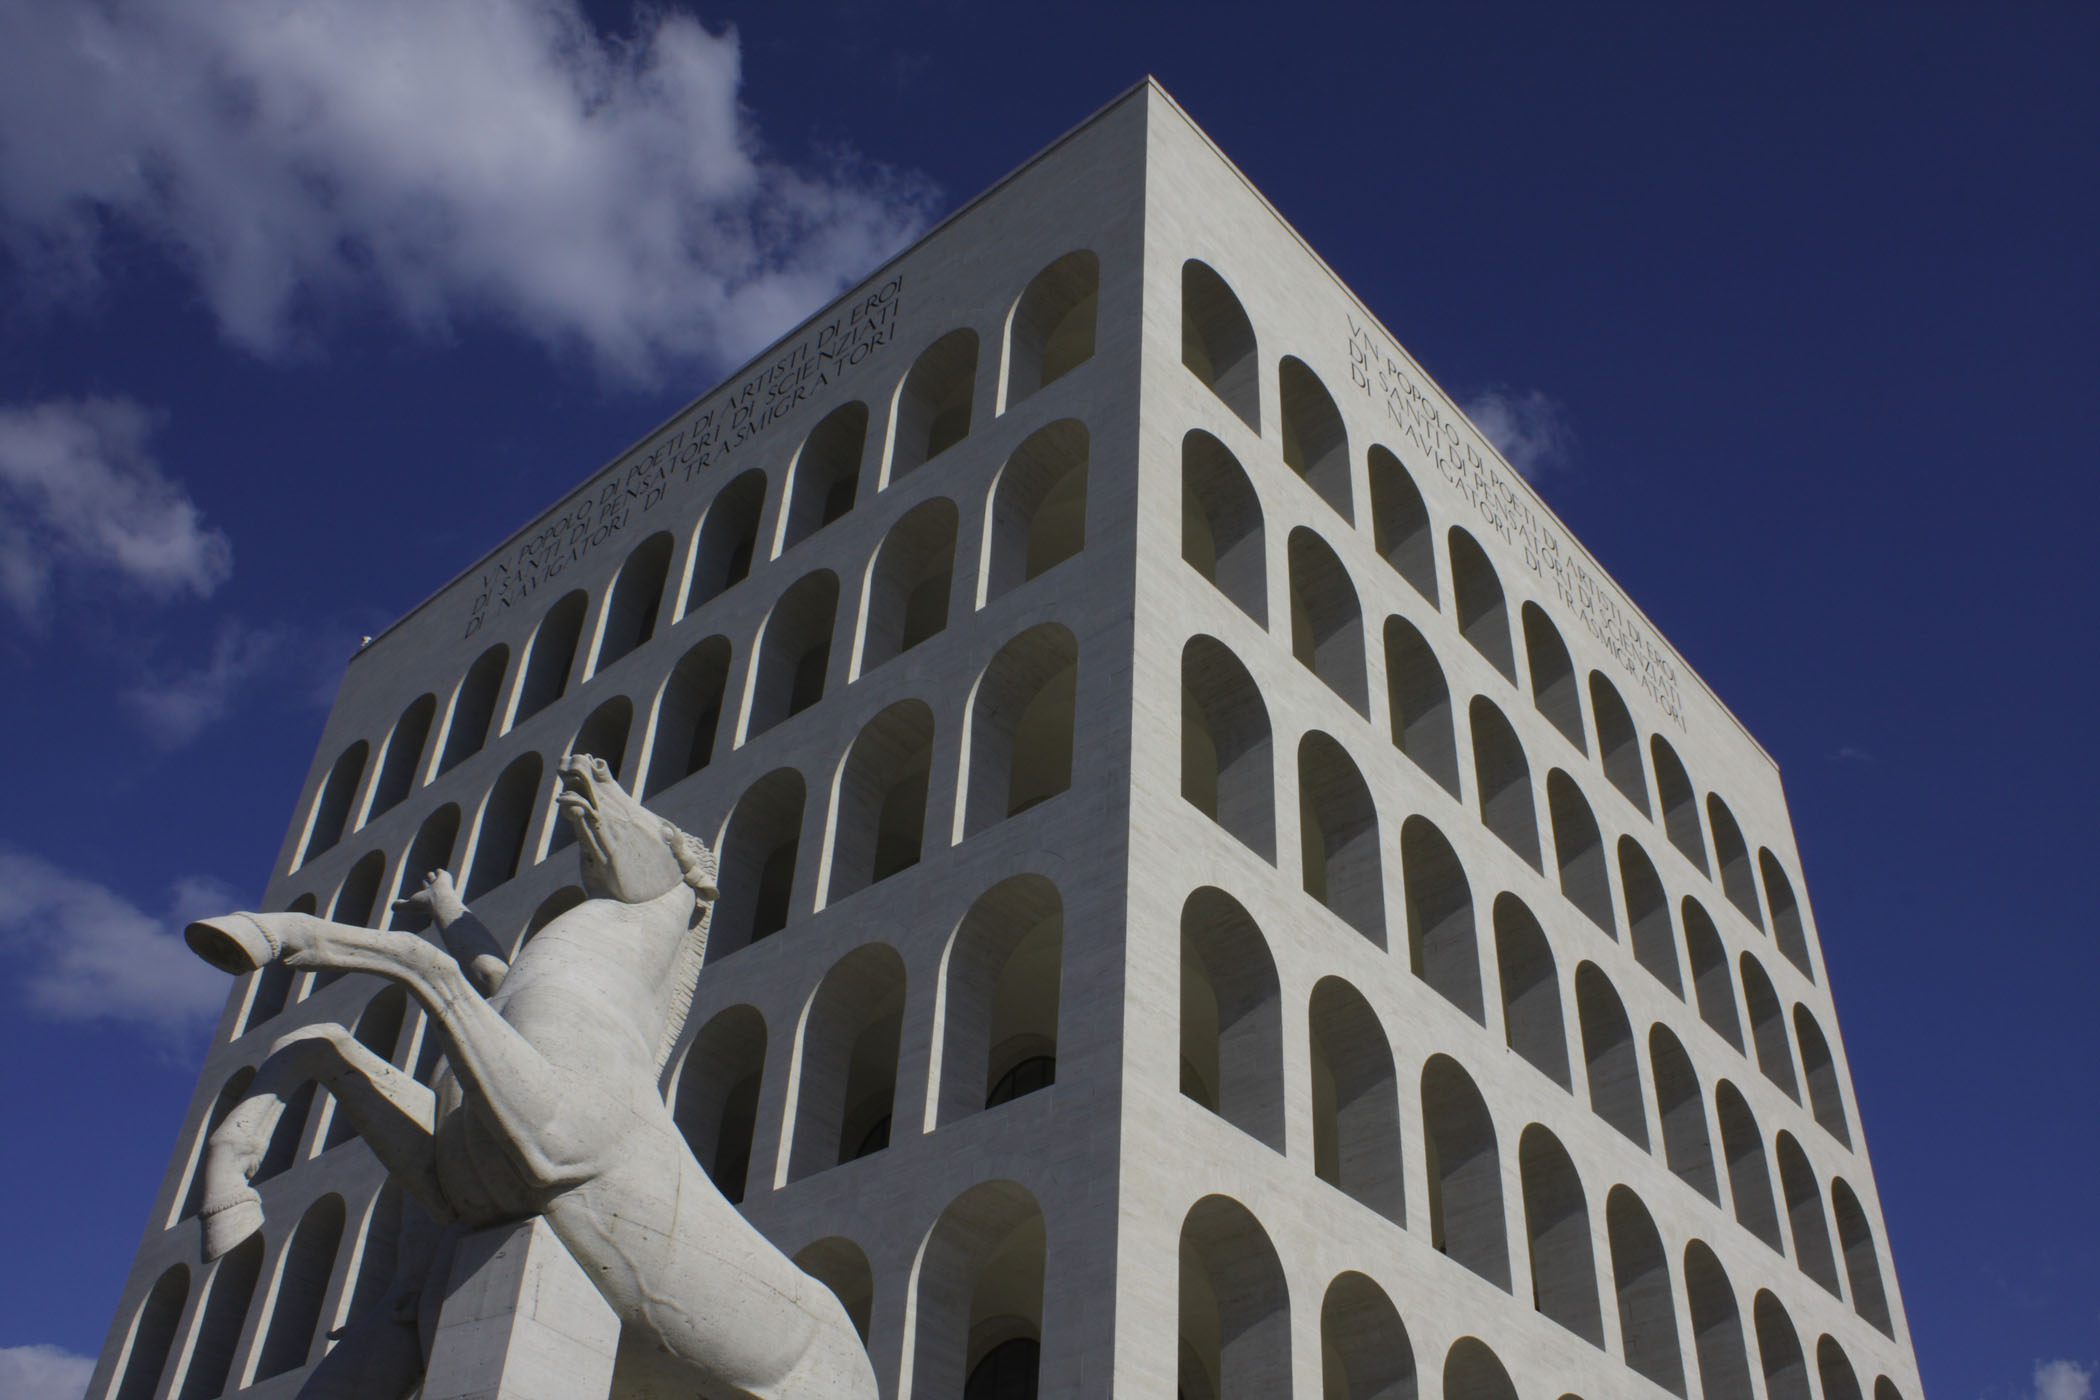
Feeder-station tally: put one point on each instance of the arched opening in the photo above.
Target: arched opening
(1038, 515)
(1364, 1350)
(1734, 856)
(1443, 946)
(1680, 803)
(604, 735)
(1640, 1272)
(910, 583)
(1885, 1389)
(289, 1333)
(932, 411)
(1531, 1018)
(506, 818)
(879, 815)
(355, 901)
(1862, 1261)
(825, 477)
(228, 1292)
(757, 863)
(1315, 444)
(1221, 531)
(1557, 1224)
(1355, 1100)
(1687, 1148)
(152, 1335)
(1235, 1313)
(716, 1108)
(1051, 331)
(1000, 984)
(332, 805)
(728, 539)
(550, 655)
(1338, 831)
(1472, 1372)
(1217, 343)
(271, 987)
(846, 1070)
(1612, 1065)
(430, 852)
(689, 714)
(1804, 1213)
(379, 1031)
(378, 1254)
(979, 1297)
(1618, 743)
(1231, 1017)
(637, 601)
(1400, 523)
(1483, 613)
(474, 707)
(842, 1266)
(1787, 930)
(1227, 767)
(289, 1134)
(1020, 739)
(1419, 701)
(1711, 985)
(1825, 1096)
(1554, 689)
(1327, 623)
(1775, 1057)
(793, 652)
(1465, 1172)
(1578, 849)
(1749, 1177)
(1503, 778)
(1840, 1382)
(403, 761)
(1779, 1350)
(1648, 916)
(1717, 1327)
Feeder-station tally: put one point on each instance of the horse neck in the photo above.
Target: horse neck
(663, 923)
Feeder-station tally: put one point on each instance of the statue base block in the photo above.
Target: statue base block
(521, 1321)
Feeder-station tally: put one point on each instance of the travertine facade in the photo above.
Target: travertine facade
(1221, 894)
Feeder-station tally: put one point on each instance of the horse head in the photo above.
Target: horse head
(629, 853)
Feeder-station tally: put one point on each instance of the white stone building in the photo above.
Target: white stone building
(1223, 896)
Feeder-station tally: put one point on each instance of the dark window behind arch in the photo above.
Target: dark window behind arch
(933, 403)
(728, 539)
(1554, 689)
(402, 763)
(1315, 444)
(1052, 329)
(1418, 701)
(636, 605)
(825, 479)
(551, 656)
(474, 708)
(1400, 523)
(1618, 742)
(1221, 527)
(1483, 612)
(1217, 341)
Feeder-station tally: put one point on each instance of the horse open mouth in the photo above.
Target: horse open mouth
(578, 801)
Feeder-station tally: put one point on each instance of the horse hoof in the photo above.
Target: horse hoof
(233, 943)
(227, 1224)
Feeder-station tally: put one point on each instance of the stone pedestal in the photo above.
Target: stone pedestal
(521, 1321)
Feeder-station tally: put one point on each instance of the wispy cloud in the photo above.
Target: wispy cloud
(42, 1372)
(479, 156)
(1852, 753)
(79, 491)
(1528, 427)
(87, 953)
(174, 707)
(2062, 1380)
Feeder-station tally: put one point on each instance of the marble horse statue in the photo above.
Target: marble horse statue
(547, 1104)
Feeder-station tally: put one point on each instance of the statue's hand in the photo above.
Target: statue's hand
(438, 898)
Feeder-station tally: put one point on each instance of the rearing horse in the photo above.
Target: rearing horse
(550, 1107)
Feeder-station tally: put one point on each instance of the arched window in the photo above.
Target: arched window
(1531, 1017)
(1000, 979)
(1465, 1172)
(271, 986)
(1717, 1327)
(757, 862)
(728, 538)
(1554, 688)
(1640, 1272)
(152, 1335)
(1885, 1389)
(979, 1296)
(1364, 1350)
(1338, 830)
(1804, 1212)
(1221, 532)
(1711, 984)
(506, 820)
(1778, 1350)
(289, 1132)
(1618, 742)
(716, 1108)
(1840, 1382)
(932, 411)
(1680, 803)
(1736, 880)
(1315, 444)
(1038, 515)
(1227, 768)
(379, 1031)
(637, 601)
(1648, 916)
(1472, 1372)
(1419, 701)
(1775, 1057)
(402, 764)
(1327, 624)
(1231, 1018)
(1503, 779)
(879, 821)
(793, 652)
(842, 1266)
(332, 805)
(604, 734)
(430, 852)
(222, 1314)
(1355, 1100)
(910, 583)
(825, 477)
(688, 715)
(1557, 1224)
(378, 1255)
(846, 1074)
(290, 1332)
(1217, 343)
(474, 706)
(1749, 1178)
(1051, 330)
(1578, 849)
(1862, 1260)
(1825, 1096)
(550, 655)
(1612, 1065)
(1787, 930)
(1235, 1311)
(1400, 523)
(1682, 1110)
(1020, 739)
(1443, 948)
(1483, 613)
(355, 902)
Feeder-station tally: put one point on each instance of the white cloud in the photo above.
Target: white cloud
(475, 156)
(2062, 1380)
(80, 491)
(91, 954)
(1527, 427)
(176, 707)
(42, 1372)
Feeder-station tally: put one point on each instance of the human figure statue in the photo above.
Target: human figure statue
(546, 1104)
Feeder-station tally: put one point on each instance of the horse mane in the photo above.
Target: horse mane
(697, 863)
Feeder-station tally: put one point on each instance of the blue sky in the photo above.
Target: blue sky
(1793, 314)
